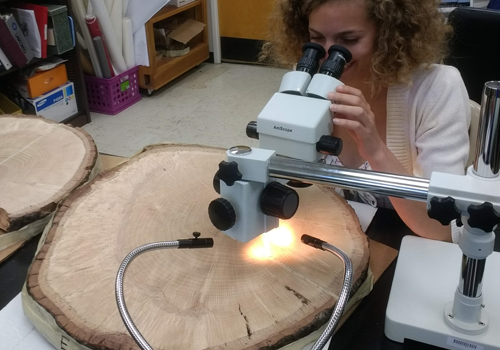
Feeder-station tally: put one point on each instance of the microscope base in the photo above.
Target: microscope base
(426, 278)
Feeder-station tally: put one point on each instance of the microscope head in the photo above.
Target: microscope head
(297, 122)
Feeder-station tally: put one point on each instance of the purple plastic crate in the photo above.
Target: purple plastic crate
(111, 96)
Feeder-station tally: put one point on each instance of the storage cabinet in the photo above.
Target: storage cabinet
(73, 69)
(165, 70)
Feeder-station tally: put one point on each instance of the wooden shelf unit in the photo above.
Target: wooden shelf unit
(162, 72)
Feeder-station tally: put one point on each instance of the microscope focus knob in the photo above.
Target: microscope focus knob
(216, 182)
(228, 172)
(443, 210)
(329, 145)
(279, 201)
(483, 216)
(222, 214)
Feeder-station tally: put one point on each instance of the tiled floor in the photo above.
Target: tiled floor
(210, 105)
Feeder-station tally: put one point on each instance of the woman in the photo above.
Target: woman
(398, 112)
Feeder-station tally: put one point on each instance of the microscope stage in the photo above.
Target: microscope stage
(426, 277)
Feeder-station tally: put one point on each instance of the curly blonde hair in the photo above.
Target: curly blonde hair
(410, 34)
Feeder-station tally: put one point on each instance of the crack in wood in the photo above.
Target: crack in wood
(246, 321)
(299, 296)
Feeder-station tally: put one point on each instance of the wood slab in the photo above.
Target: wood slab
(41, 162)
(265, 293)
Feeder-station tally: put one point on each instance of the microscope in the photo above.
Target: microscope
(296, 123)
(294, 131)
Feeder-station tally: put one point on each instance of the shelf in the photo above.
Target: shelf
(169, 69)
(14, 69)
(73, 70)
(159, 73)
(169, 11)
(167, 62)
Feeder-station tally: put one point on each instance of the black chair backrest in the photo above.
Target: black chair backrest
(475, 47)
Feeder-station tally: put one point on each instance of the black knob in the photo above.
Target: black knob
(252, 130)
(483, 216)
(222, 214)
(228, 172)
(279, 201)
(329, 145)
(216, 182)
(443, 210)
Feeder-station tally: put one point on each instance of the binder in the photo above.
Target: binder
(18, 35)
(5, 61)
(42, 18)
(10, 47)
(27, 20)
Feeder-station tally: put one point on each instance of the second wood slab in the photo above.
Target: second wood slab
(265, 293)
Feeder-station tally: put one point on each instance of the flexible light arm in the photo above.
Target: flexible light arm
(120, 299)
(344, 293)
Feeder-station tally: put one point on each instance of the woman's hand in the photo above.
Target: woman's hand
(354, 114)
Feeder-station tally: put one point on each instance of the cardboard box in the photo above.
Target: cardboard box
(187, 31)
(179, 3)
(58, 104)
(42, 82)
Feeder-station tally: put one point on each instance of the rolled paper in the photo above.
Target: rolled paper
(81, 41)
(128, 43)
(109, 5)
(116, 20)
(109, 35)
(95, 31)
(124, 8)
(86, 65)
(77, 5)
(107, 71)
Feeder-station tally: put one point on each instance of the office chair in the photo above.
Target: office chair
(475, 47)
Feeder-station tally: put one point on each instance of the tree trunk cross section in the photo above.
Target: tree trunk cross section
(262, 294)
(41, 162)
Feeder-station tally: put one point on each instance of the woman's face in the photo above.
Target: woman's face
(346, 23)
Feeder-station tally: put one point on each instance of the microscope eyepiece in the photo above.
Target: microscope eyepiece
(333, 66)
(312, 54)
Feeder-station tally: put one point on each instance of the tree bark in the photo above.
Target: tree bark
(262, 294)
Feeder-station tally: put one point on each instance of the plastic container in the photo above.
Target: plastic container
(111, 96)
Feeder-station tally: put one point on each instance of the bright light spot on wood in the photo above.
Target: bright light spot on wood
(270, 243)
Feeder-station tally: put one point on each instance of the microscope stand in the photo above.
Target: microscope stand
(426, 277)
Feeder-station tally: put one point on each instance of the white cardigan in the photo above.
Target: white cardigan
(428, 123)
